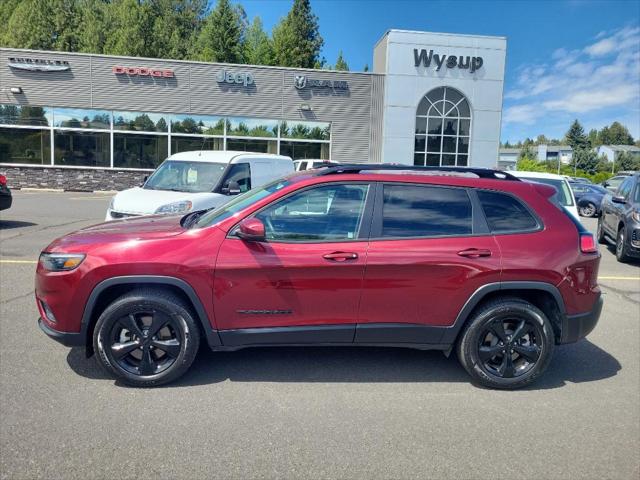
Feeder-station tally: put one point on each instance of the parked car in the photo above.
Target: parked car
(588, 198)
(301, 165)
(579, 180)
(613, 183)
(564, 196)
(346, 255)
(5, 194)
(191, 181)
(619, 223)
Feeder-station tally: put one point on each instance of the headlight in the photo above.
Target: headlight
(636, 216)
(59, 262)
(175, 207)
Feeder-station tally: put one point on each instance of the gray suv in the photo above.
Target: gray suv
(620, 219)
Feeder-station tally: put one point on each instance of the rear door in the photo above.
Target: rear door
(613, 211)
(428, 253)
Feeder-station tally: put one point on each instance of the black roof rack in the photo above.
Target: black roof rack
(357, 168)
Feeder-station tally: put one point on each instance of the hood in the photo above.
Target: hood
(144, 201)
(132, 229)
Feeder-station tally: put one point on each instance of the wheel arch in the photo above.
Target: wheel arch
(545, 296)
(110, 289)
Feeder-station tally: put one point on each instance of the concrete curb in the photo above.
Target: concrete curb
(61, 190)
(30, 189)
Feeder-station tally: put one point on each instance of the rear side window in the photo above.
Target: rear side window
(505, 213)
(423, 211)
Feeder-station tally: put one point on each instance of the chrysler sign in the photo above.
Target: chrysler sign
(422, 57)
(38, 64)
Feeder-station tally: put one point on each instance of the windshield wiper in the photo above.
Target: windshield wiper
(192, 217)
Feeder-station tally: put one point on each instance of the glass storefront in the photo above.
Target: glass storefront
(85, 137)
(25, 146)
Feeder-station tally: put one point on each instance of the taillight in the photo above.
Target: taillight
(3, 180)
(588, 243)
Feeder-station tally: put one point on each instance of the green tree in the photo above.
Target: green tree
(626, 161)
(132, 33)
(341, 64)
(366, 67)
(586, 160)
(94, 24)
(66, 18)
(527, 153)
(576, 137)
(296, 39)
(221, 37)
(30, 25)
(175, 26)
(257, 48)
(619, 135)
(594, 138)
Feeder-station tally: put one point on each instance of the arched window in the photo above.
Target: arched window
(443, 126)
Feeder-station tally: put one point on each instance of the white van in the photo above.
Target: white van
(307, 164)
(191, 181)
(565, 194)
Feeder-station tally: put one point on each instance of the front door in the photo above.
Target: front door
(308, 273)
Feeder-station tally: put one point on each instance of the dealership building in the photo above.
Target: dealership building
(95, 122)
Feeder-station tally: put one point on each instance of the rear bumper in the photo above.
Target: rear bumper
(65, 338)
(575, 327)
(5, 201)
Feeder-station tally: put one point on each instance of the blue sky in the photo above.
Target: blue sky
(565, 60)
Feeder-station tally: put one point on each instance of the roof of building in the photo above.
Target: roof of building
(622, 148)
(221, 156)
(510, 150)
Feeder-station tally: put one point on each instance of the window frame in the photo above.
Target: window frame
(225, 175)
(479, 226)
(365, 224)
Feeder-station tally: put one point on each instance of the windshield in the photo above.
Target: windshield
(598, 189)
(636, 197)
(564, 195)
(182, 176)
(240, 203)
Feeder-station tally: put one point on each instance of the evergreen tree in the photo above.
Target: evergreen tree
(30, 25)
(626, 161)
(175, 26)
(132, 24)
(66, 18)
(258, 49)
(526, 153)
(221, 37)
(586, 160)
(594, 139)
(341, 64)
(619, 135)
(296, 39)
(366, 67)
(576, 138)
(94, 23)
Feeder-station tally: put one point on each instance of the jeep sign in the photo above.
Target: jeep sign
(241, 78)
(451, 61)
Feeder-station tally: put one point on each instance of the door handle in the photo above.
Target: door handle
(340, 256)
(475, 252)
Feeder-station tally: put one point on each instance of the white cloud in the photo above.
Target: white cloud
(602, 75)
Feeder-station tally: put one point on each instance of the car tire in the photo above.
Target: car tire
(600, 236)
(588, 210)
(621, 246)
(146, 338)
(510, 357)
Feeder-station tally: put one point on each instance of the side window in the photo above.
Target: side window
(241, 173)
(578, 189)
(425, 211)
(625, 188)
(505, 214)
(326, 213)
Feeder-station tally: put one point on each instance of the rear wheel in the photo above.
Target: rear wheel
(621, 246)
(146, 338)
(588, 210)
(507, 344)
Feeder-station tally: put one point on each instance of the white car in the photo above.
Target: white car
(565, 194)
(191, 181)
(308, 164)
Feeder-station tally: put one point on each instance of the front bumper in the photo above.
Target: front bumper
(67, 339)
(575, 327)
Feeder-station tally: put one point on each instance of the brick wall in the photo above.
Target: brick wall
(72, 179)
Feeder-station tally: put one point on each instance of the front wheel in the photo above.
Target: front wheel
(600, 231)
(146, 338)
(588, 210)
(507, 344)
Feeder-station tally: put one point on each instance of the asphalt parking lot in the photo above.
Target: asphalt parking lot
(305, 413)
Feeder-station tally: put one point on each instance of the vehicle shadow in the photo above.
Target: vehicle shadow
(632, 261)
(9, 224)
(577, 363)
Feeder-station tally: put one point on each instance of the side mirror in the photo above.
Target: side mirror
(144, 180)
(231, 188)
(605, 184)
(618, 199)
(251, 229)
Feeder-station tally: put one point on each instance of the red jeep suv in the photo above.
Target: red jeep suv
(430, 258)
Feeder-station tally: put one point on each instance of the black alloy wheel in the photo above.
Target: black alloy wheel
(146, 338)
(145, 343)
(510, 347)
(507, 343)
(621, 247)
